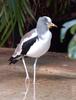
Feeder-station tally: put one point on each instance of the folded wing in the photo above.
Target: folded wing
(22, 48)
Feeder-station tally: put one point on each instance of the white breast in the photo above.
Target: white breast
(41, 46)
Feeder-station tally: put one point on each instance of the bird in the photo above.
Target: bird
(34, 44)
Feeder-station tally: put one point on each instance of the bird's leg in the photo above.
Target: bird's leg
(27, 75)
(35, 70)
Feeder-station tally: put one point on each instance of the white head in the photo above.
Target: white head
(43, 24)
(47, 19)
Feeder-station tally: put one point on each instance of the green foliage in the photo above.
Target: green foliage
(66, 26)
(59, 7)
(13, 12)
(71, 26)
(73, 29)
(72, 48)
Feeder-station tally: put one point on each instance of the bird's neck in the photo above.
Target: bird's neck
(47, 35)
(41, 30)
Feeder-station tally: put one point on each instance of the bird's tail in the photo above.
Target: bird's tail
(13, 60)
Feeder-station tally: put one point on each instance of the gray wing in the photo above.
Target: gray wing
(28, 36)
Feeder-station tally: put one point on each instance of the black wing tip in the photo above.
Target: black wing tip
(12, 60)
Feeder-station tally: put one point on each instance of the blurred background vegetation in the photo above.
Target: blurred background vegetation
(19, 16)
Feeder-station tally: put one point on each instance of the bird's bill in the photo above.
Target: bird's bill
(51, 25)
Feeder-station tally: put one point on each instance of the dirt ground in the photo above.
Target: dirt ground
(56, 78)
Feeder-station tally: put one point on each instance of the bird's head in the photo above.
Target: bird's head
(43, 25)
(46, 21)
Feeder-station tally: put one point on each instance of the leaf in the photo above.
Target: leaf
(20, 21)
(7, 34)
(20, 30)
(2, 23)
(73, 29)
(5, 31)
(13, 10)
(2, 11)
(28, 9)
(72, 48)
(7, 28)
(6, 14)
(64, 29)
